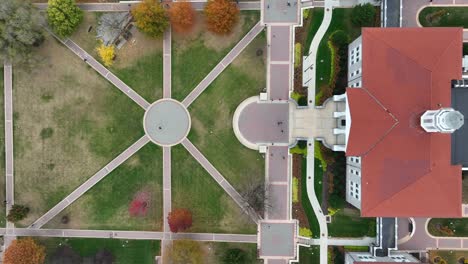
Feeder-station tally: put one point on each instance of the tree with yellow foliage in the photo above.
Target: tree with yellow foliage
(24, 251)
(150, 18)
(107, 54)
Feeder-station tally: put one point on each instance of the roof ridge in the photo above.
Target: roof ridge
(445, 50)
(399, 51)
(396, 121)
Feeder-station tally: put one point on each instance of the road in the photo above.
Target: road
(78, 192)
(227, 187)
(125, 7)
(240, 46)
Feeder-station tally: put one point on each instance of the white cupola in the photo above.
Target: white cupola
(444, 120)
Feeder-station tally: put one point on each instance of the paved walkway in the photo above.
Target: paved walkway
(167, 71)
(218, 69)
(365, 241)
(9, 166)
(125, 7)
(420, 239)
(103, 71)
(78, 192)
(315, 203)
(411, 9)
(279, 67)
(220, 180)
(122, 234)
(309, 62)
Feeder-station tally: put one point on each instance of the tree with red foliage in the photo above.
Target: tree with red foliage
(179, 219)
(182, 16)
(22, 251)
(221, 16)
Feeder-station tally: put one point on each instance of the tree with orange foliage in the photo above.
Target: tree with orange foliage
(24, 251)
(221, 16)
(182, 16)
(179, 219)
(150, 18)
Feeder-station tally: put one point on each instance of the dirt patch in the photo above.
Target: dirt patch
(297, 209)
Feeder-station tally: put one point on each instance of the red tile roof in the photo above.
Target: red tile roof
(405, 170)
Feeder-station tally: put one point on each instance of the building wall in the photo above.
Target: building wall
(355, 63)
(353, 181)
(397, 257)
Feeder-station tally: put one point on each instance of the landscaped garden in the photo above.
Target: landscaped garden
(196, 53)
(448, 257)
(309, 255)
(444, 16)
(451, 227)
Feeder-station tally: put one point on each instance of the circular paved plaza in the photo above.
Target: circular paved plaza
(166, 122)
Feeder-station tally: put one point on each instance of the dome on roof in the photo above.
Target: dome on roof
(452, 120)
(445, 120)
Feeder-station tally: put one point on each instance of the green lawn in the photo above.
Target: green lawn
(318, 178)
(316, 17)
(124, 251)
(139, 63)
(106, 205)
(451, 257)
(220, 249)
(341, 20)
(313, 222)
(212, 209)
(444, 17)
(347, 222)
(309, 255)
(212, 115)
(88, 120)
(196, 54)
(459, 227)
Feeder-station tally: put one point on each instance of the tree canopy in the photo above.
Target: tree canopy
(20, 30)
(179, 219)
(221, 16)
(150, 18)
(23, 251)
(363, 15)
(182, 16)
(17, 213)
(64, 16)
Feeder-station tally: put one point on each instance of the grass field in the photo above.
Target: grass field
(212, 209)
(2, 152)
(212, 114)
(69, 122)
(459, 227)
(106, 205)
(316, 17)
(139, 63)
(308, 255)
(219, 250)
(124, 251)
(347, 222)
(444, 17)
(451, 257)
(313, 222)
(194, 55)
